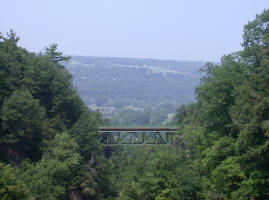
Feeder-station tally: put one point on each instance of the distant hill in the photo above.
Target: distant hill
(119, 82)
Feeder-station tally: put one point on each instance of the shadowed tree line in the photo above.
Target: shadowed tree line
(48, 138)
(221, 150)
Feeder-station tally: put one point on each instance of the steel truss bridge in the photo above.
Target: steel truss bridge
(136, 135)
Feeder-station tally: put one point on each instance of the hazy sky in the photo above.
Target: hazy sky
(163, 29)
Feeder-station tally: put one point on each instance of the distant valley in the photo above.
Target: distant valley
(113, 84)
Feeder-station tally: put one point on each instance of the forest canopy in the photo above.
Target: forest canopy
(221, 149)
(48, 138)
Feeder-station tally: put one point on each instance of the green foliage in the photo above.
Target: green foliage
(22, 117)
(85, 132)
(181, 113)
(44, 122)
(63, 148)
(256, 186)
(221, 149)
(220, 152)
(217, 91)
(11, 188)
(55, 56)
(155, 173)
(153, 116)
(58, 168)
(39, 177)
(227, 130)
(226, 178)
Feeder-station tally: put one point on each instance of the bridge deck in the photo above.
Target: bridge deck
(136, 129)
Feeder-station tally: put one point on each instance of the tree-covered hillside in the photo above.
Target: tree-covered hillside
(48, 138)
(227, 129)
(221, 150)
(121, 82)
(131, 91)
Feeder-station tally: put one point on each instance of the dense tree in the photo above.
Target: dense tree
(24, 121)
(46, 132)
(48, 139)
(149, 116)
(11, 188)
(147, 172)
(227, 133)
(55, 56)
(58, 168)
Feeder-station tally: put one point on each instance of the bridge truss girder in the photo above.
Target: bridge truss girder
(136, 137)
